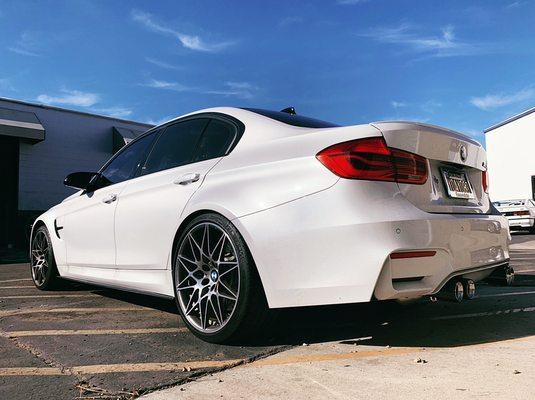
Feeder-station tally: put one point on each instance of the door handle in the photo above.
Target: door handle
(186, 179)
(109, 199)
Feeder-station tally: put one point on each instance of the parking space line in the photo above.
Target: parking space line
(117, 368)
(30, 371)
(48, 296)
(194, 365)
(302, 358)
(18, 287)
(484, 314)
(15, 280)
(8, 313)
(506, 294)
(67, 332)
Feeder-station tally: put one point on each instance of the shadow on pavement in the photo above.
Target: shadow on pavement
(422, 324)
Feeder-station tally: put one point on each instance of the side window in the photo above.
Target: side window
(125, 164)
(215, 140)
(176, 146)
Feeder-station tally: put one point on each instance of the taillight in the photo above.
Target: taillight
(371, 159)
(485, 181)
(520, 213)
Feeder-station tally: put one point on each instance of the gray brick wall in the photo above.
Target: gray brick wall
(73, 142)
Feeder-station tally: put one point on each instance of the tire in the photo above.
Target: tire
(43, 268)
(217, 288)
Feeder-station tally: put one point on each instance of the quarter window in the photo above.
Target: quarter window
(124, 165)
(216, 140)
(176, 146)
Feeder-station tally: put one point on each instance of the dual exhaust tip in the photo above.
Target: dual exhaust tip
(459, 289)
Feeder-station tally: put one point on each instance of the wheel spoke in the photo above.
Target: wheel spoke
(181, 260)
(188, 309)
(186, 287)
(222, 274)
(224, 296)
(217, 313)
(219, 242)
(235, 296)
(205, 240)
(191, 241)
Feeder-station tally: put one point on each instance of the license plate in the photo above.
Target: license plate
(457, 184)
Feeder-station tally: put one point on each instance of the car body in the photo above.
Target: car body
(519, 213)
(317, 234)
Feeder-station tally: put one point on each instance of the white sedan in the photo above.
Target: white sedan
(233, 212)
(519, 213)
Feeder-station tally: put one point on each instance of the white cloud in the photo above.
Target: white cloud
(444, 45)
(491, 101)
(158, 121)
(22, 52)
(26, 45)
(290, 21)
(70, 98)
(192, 42)
(398, 104)
(430, 106)
(351, 2)
(243, 90)
(116, 112)
(161, 64)
(515, 4)
(5, 84)
(159, 84)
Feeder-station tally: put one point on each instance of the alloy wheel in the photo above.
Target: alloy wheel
(207, 273)
(39, 257)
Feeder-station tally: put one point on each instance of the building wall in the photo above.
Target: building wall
(511, 159)
(73, 142)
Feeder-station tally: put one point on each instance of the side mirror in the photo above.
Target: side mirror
(80, 180)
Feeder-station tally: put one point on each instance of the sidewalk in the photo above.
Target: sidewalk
(501, 370)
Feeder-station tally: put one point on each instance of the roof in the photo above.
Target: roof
(511, 119)
(21, 124)
(47, 107)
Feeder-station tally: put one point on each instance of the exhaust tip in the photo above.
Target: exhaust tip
(458, 291)
(469, 289)
(452, 291)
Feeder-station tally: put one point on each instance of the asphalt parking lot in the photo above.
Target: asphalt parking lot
(86, 342)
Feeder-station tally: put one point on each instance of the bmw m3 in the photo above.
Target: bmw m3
(232, 212)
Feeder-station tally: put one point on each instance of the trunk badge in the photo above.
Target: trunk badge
(463, 152)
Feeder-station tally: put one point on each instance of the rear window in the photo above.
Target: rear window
(295, 120)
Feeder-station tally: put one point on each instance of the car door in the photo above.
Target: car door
(88, 224)
(148, 213)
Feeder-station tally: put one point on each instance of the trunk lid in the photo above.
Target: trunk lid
(455, 161)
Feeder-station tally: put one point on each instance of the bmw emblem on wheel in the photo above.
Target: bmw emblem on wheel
(463, 152)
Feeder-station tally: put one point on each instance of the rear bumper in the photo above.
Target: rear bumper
(334, 246)
(515, 222)
(470, 247)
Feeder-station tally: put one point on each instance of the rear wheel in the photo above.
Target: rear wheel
(42, 263)
(217, 288)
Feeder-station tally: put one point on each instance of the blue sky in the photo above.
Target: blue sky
(460, 64)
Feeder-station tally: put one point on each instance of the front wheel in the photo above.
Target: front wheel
(42, 262)
(217, 288)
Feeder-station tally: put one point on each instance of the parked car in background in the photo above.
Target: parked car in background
(520, 213)
(234, 211)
